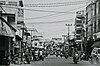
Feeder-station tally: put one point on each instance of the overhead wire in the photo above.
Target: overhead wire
(37, 10)
(67, 12)
(55, 4)
(33, 9)
(51, 22)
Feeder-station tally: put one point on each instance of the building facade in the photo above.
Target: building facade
(79, 28)
(92, 20)
(13, 15)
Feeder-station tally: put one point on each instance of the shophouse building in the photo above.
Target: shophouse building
(79, 28)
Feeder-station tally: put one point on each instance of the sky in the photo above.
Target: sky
(38, 16)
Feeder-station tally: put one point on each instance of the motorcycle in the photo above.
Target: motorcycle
(4, 61)
(42, 57)
(76, 58)
(66, 55)
(57, 54)
(61, 54)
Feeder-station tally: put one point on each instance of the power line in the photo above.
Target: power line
(55, 4)
(47, 16)
(51, 22)
(34, 9)
(69, 12)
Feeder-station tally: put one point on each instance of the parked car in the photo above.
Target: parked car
(96, 51)
(95, 55)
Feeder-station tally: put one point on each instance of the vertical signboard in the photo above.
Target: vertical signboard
(20, 15)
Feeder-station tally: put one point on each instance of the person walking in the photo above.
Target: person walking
(27, 59)
(41, 55)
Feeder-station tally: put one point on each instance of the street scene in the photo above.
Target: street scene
(49, 33)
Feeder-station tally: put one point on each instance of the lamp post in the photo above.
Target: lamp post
(68, 29)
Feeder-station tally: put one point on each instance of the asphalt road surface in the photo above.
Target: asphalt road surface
(58, 61)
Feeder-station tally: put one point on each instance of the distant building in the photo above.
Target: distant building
(80, 29)
(79, 26)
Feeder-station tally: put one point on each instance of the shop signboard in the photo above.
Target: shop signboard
(20, 15)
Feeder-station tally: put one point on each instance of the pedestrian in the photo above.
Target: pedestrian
(41, 55)
(27, 59)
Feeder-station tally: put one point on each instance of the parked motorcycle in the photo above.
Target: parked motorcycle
(42, 57)
(61, 54)
(66, 55)
(27, 59)
(4, 61)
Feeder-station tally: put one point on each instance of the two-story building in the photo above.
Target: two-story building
(12, 14)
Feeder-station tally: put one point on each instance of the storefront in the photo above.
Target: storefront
(6, 38)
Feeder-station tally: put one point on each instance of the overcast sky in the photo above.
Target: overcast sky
(50, 30)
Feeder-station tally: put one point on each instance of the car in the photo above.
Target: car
(96, 53)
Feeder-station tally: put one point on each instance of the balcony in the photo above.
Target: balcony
(80, 16)
(78, 41)
(78, 28)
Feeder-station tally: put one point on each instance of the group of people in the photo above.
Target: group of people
(38, 54)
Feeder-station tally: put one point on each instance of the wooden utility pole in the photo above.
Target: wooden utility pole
(68, 30)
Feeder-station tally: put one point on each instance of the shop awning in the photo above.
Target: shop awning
(6, 29)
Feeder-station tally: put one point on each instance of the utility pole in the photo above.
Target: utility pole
(31, 29)
(64, 36)
(23, 28)
(68, 30)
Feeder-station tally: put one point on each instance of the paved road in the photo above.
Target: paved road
(58, 61)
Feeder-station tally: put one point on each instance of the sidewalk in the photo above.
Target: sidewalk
(15, 65)
(20, 65)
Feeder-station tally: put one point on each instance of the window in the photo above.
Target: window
(2, 2)
(78, 37)
(78, 25)
(35, 44)
(11, 19)
(98, 50)
(78, 21)
(78, 31)
(13, 3)
(98, 25)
